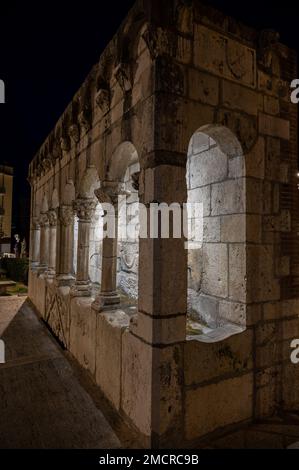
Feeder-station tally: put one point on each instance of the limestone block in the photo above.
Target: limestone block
(255, 160)
(261, 284)
(267, 393)
(272, 310)
(237, 272)
(233, 228)
(278, 223)
(160, 331)
(155, 409)
(273, 158)
(271, 105)
(203, 87)
(254, 200)
(236, 167)
(200, 142)
(228, 197)
(210, 361)
(290, 385)
(241, 98)
(109, 329)
(215, 262)
(184, 50)
(201, 195)
(83, 332)
(282, 266)
(162, 276)
(290, 328)
(207, 167)
(230, 401)
(136, 382)
(165, 184)
(232, 312)
(194, 269)
(274, 126)
(211, 229)
(217, 53)
(205, 307)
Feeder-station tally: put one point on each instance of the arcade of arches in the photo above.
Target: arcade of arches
(182, 338)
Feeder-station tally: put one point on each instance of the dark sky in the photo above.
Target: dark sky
(48, 47)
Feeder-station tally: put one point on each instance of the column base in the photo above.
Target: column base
(106, 301)
(81, 289)
(42, 270)
(64, 280)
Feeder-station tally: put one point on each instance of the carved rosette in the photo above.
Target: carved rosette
(66, 215)
(84, 209)
(52, 216)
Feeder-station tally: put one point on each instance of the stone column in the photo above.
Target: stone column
(44, 242)
(154, 345)
(36, 243)
(85, 210)
(65, 247)
(52, 215)
(109, 298)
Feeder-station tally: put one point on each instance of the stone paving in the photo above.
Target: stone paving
(43, 403)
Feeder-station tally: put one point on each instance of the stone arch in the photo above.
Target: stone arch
(68, 193)
(55, 199)
(123, 156)
(217, 230)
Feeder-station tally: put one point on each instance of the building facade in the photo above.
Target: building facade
(6, 187)
(184, 105)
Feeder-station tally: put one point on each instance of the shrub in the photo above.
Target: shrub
(17, 269)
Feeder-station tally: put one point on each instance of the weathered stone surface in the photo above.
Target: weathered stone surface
(274, 126)
(230, 402)
(215, 262)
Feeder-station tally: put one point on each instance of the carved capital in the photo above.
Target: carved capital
(135, 180)
(44, 220)
(74, 133)
(84, 119)
(64, 144)
(36, 223)
(109, 191)
(158, 41)
(103, 98)
(122, 75)
(66, 215)
(268, 47)
(85, 208)
(52, 216)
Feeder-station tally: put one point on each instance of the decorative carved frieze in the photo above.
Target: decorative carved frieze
(84, 208)
(36, 223)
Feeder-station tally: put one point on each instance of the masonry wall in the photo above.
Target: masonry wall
(218, 78)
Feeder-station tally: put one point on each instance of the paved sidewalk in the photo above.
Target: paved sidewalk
(43, 403)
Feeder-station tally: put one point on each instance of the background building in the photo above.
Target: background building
(6, 183)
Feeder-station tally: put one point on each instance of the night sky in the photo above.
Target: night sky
(48, 47)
